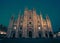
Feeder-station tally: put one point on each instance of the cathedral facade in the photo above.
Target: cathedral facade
(29, 25)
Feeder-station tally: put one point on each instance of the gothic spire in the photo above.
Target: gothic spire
(47, 17)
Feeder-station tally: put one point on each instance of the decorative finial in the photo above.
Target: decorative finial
(40, 13)
(12, 17)
(19, 12)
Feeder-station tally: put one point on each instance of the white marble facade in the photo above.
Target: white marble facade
(29, 25)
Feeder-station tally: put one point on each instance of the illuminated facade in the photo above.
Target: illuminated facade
(30, 25)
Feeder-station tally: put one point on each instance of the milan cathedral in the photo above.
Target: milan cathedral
(29, 25)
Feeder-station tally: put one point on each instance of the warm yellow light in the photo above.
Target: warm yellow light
(2, 33)
(15, 27)
(39, 28)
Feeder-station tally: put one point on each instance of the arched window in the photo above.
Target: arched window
(29, 22)
(20, 27)
(29, 17)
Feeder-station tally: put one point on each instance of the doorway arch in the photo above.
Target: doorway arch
(13, 34)
(39, 33)
(30, 34)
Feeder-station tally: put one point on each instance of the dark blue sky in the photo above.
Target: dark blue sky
(50, 7)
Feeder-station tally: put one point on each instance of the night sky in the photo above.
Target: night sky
(13, 7)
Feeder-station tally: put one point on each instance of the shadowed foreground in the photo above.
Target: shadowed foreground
(56, 40)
